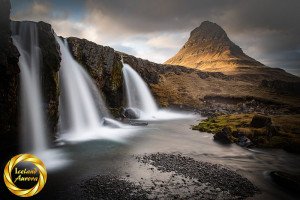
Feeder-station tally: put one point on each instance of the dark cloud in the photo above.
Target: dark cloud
(266, 30)
(273, 23)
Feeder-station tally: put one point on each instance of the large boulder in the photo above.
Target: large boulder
(132, 113)
(259, 121)
(224, 136)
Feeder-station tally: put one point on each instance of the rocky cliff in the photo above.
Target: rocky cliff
(50, 73)
(9, 76)
(10, 80)
(50, 64)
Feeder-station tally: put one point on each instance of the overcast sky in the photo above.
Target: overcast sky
(267, 30)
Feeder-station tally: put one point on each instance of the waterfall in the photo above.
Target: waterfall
(139, 97)
(33, 128)
(81, 106)
(138, 93)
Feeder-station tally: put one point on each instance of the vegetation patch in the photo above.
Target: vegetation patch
(282, 132)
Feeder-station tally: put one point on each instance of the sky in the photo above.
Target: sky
(267, 30)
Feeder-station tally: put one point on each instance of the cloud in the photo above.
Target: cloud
(266, 30)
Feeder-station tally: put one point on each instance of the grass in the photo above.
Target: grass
(285, 133)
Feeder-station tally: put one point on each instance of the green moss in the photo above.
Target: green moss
(286, 136)
(116, 80)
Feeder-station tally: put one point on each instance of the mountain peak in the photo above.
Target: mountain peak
(209, 48)
(208, 28)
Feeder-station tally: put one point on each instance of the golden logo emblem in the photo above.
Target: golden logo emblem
(25, 175)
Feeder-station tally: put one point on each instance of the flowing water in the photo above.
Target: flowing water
(33, 128)
(139, 97)
(95, 157)
(138, 94)
(83, 113)
(78, 108)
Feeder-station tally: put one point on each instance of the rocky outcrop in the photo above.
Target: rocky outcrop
(105, 67)
(9, 76)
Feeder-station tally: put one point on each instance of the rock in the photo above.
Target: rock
(9, 80)
(138, 123)
(132, 113)
(243, 141)
(259, 121)
(286, 180)
(51, 58)
(224, 136)
(111, 123)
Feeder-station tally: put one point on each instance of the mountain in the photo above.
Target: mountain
(210, 49)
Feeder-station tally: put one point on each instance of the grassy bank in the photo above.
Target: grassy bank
(284, 131)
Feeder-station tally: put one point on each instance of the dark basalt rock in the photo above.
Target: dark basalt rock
(50, 74)
(9, 79)
(224, 136)
(259, 121)
(132, 113)
(50, 57)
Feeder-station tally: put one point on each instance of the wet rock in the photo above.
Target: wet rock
(51, 58)
(243, 141)
(224, 136)
(259, 121)
(110, 123)
(132, 123)
(286, 180)
(9, 77)
(132, 113)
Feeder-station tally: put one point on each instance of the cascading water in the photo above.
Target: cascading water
(83, 114)
(33, 128)
(138, 94)
(139, 97)
(81, 105)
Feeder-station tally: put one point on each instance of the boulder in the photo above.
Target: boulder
(132, 113)
(224, 136)
(111, 123)
(259, 121)
(243, 141)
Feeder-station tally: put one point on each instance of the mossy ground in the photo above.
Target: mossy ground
(287, 134)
